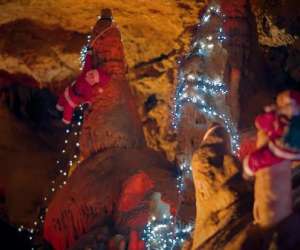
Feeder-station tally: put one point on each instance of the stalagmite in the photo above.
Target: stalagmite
(113, 186)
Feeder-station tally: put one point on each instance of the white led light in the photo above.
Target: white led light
(191, 77)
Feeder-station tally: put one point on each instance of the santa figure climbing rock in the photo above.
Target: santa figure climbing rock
(90, 81)
(277, 146)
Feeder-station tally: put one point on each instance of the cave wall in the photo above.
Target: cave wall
(40, 43)
(42, 40)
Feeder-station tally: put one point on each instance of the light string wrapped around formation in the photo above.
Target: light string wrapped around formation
(205, 90)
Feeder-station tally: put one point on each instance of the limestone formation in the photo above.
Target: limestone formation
(244, 68)
(114, 184)
(224, 204)
(111, 189)
(113, 119)
(42, 40)
(218, 198)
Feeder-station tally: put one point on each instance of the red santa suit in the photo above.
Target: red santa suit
(81, 91)
(272, 187)
(275, 126)
(271, 165)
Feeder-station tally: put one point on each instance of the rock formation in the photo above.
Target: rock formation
(245, 71)
(224, 204)
(42, 40)
(113, 120)
(113, 186)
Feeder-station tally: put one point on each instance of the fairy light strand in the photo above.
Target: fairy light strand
(194, 89)
(198, 90)
(165, 234)
(62, 172)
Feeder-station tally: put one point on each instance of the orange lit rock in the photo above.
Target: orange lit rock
(113, 120)
(97, 191)
(119, 174)
(220, 195)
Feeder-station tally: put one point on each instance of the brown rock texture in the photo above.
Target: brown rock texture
(220, 193)
(119, 175)
(224, 203)
(48, 35)
(43, 40)
(113, 120)
(112, 186)
(245, 69)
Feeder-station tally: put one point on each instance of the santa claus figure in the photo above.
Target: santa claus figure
(270, 164)
(89, 82)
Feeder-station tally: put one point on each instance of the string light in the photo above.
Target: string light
(203, 92)
(62, 172)
(165, 234)
(84, 51)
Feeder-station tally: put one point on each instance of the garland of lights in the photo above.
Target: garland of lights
(62, 172)
(165, 233)
(198, 90)
(195, 89)
(75, 160)
(84, 51)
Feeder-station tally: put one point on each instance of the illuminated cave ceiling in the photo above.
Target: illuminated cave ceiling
(42, 38)
(51, 32)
